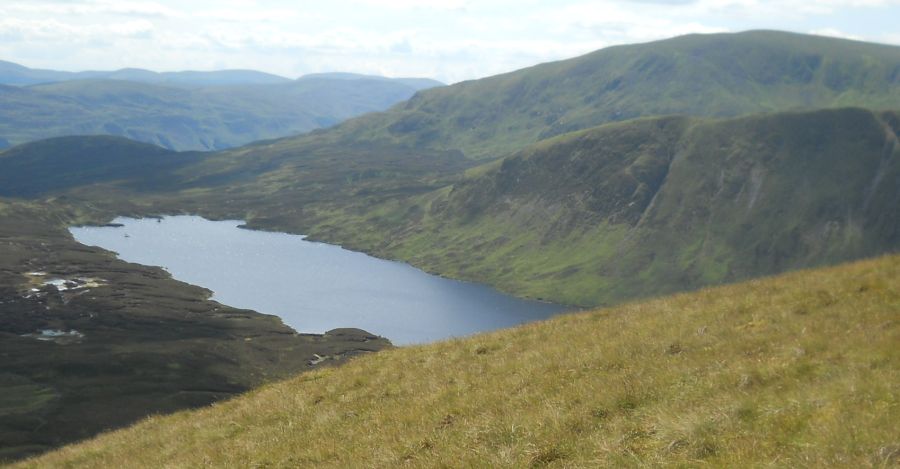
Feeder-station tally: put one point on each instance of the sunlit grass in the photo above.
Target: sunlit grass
(799, 370)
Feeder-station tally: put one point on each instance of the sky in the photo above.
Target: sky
(450, 40)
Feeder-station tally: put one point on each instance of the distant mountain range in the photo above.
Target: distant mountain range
(186, 110)
(19, 75)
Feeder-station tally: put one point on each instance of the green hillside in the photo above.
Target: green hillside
(194, 118)
(57, 164)
(652, 206)
(699, 75)
(799, 370)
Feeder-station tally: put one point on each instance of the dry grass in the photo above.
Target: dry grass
(799, 370)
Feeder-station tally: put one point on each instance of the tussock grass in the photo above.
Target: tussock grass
(799, 370)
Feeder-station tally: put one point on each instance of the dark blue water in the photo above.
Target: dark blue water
(313, 287)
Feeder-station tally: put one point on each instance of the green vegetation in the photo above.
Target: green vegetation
(192, 118)
(620, 211)
(799, 370)
(716, 75)
(58, 164)
(653, 206)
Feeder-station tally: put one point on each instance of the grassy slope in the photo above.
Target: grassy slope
(799, 370)
(651, 206)
(700, 75)
(203, 118)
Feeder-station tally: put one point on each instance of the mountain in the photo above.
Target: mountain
(417, 83)
(18, 75)
(188, 78)
(718, 75)
(800, 369)
(199, 118)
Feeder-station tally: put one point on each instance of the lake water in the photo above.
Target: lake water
(313, 287)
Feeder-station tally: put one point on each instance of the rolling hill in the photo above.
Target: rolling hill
(18, 75)
(800, 369)
(192, 118)
(57, 164)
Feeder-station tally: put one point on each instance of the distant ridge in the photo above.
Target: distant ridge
(15, 74)
(209, 117)
(18, 75)
(417, 83)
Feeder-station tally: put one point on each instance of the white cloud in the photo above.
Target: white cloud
(448, 39)
(890, 38)
(94, 7)
(56, 31)
(832, 32)
(136, 28)
(254, 15)
(796, 8)
(416, 4)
